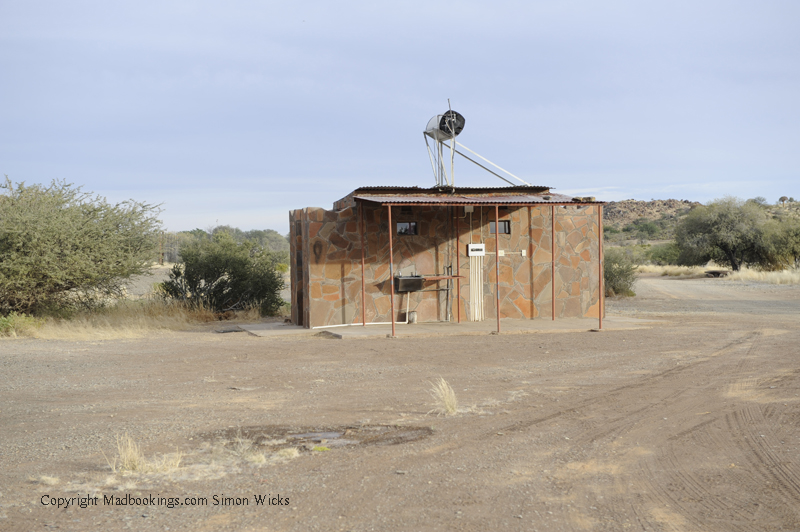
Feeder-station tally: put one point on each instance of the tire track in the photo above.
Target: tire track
(749, 435)
(675, 485)
(624, 413)
(785, 474)
(691, 430)
(610, 395)
(681, 497)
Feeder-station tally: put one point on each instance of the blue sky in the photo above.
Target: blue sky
(235, 112)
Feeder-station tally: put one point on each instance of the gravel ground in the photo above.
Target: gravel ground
(691, 424)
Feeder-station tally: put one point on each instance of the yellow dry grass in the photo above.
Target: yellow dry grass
(791, 276)
(446, 401)
(132, 319)
(14, 325)
(126, 319)
(674, 271)
(130, 459)
(781, 277)
(288, 453)
(45, 480)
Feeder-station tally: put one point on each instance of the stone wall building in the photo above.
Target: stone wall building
(343, 260)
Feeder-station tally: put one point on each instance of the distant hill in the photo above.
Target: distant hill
(636, 220)
(622, 213)
(644, 220)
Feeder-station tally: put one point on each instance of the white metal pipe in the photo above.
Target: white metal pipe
(473, 161)
(490, 162)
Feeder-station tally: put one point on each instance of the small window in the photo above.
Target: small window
(505, 227)
(406, 210)
(406, 228)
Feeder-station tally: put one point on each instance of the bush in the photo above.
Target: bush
(643, 228)
(61, 247)
(223, 275)
(619, 273)
(664, 254)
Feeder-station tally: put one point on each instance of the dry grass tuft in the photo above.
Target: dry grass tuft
(791, 276)
(129, 456)
(135, 319)
(782, 277)
(130, 459)
(446, 401)
(288, 453)
(241, 446)
(256, 458)
(251, 314)
(126, 319)
(673, 271)
(245, 449)
(44, 479)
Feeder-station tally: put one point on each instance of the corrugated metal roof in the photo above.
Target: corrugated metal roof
(446, 190)
(517, 199)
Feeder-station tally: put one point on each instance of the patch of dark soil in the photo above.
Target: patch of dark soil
(277, 437)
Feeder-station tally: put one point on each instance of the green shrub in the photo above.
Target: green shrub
(643, 228)
(18, 324)
(664, 254)
(222, 275)
(61, 247)
(619, 273)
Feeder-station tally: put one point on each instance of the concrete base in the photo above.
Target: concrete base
(423, 330)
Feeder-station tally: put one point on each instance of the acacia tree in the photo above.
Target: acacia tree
(62, 246)
(787, 243)
(727, 230)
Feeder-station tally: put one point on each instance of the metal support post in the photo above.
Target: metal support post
(363, 283)
(458, 266)
(497, 260)
(553, 259)
(600, 300)
(391, 266)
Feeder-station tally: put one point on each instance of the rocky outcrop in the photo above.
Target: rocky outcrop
(622, 213)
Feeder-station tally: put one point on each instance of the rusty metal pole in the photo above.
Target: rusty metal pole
(530, 251)
(391, 267)
(553, 259)
(458, 267)
(363, 283)
(497, 260)
(600, 307)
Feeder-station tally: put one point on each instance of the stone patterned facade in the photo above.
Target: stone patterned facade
(326, 262)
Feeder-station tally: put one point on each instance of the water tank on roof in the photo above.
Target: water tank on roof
(445, 126)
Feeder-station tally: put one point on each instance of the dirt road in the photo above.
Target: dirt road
(690, 424)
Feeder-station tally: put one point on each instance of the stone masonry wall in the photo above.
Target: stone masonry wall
(326, 263)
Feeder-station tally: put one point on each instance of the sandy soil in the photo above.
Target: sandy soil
(692, 424)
